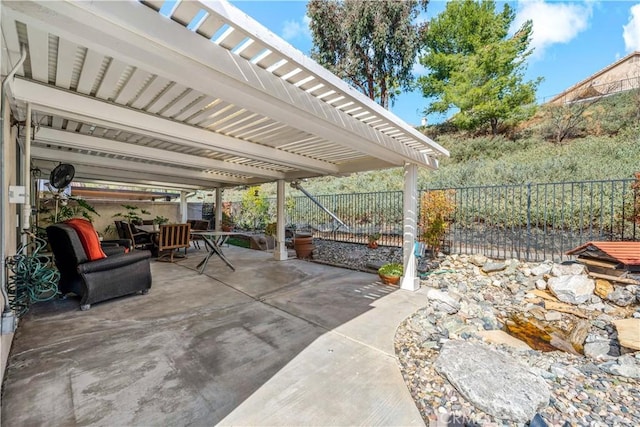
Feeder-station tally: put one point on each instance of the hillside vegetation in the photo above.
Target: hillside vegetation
(605, 144)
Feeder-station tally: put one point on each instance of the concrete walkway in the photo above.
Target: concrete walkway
(273, 343)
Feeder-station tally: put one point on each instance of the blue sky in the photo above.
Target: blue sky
(572, 40)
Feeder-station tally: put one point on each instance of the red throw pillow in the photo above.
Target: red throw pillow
(88, 237)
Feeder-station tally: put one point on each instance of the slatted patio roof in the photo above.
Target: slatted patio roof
(198, 95)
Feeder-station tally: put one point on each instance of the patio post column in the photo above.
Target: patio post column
(280, 253)
(26, 180)
(410, 281)
(184, 211)
(218, 209)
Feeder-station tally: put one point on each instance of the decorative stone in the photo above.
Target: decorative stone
(492, 267)
(492, 381)
(541, 270)
(572, 269)
(478, 260)
(572, 289)
(541, 284)
(603, 288)
(552, 316)
(444, 302)
(628, 332)
(598, 350)
(625, 366)
(621, 297)
(501, 337)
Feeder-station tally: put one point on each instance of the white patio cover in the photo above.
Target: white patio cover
(202, 98)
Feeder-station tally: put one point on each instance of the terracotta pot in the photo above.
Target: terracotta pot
(373, 245)
(303, 244)
(389, 280)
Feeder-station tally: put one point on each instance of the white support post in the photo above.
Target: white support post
(218, 209)
(280, 254)
(410, 281)
(184, 210)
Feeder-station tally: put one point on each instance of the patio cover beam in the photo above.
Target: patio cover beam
(109, 176)
(207, 180)
(90, 110)
(117, 148)
(132, 33)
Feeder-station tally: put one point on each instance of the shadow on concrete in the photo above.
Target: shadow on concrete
(188, 353)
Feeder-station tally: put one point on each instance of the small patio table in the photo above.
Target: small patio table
(214, 240)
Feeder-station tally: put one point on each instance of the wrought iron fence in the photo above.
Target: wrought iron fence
(541, 221)
(531, 222)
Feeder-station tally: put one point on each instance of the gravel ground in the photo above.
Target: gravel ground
(582, 393)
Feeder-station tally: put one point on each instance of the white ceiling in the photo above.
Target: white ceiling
(207, 98)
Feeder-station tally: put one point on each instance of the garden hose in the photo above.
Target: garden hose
(33, 277)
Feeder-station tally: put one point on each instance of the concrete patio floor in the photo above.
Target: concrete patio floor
(273, 343)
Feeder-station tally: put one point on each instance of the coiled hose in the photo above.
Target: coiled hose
(33, 278)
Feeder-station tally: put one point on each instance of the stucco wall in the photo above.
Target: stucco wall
(622, 77)
(10, 239)
(108, 208)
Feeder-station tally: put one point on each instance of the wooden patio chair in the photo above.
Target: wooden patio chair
(198, 225)
(171, 238)
(140, 239)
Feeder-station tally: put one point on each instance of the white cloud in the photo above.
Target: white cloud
(553, 22)
(295, 29)
(631, 31)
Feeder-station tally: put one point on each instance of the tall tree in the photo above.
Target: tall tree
(370, 44)
(474, 65)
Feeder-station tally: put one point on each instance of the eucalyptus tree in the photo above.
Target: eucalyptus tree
(370, 44)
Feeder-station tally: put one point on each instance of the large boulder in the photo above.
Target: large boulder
(492, 381)
(572, 289)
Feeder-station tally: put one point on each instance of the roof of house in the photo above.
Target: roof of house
(595, 75)
(627, 253)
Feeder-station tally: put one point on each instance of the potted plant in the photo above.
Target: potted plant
(132, 214)
(158, 221)
(373, 240)
(391, 273)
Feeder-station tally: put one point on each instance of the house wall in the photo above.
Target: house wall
(624, 76)
(10, 237)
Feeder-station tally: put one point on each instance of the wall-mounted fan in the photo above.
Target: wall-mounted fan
(59, 179)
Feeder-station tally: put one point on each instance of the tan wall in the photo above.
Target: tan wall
(10, 239)
(622, 77)
(108, 208)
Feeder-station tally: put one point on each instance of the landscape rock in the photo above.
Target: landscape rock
(572, 289)
(478, 260)
(552, 316)
(443, 302)
(542, 269)
(628, 332)
(572, 269)
(541, 284)
(501, 337)
(603, 288)
(492, 381)
(492, 267)
(621, 297)
(598, 350)
(624, 366)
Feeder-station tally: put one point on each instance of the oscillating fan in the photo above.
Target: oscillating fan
(61, 176)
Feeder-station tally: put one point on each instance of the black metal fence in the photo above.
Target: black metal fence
(530, 222)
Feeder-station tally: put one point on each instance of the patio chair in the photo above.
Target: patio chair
(141, 239)
(171, 238)
(198, 225)
(92, 273)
